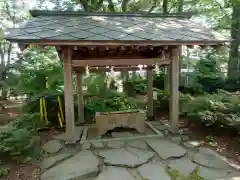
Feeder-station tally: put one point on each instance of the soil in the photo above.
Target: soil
(22, 172)
(219, 140)
(12, 109)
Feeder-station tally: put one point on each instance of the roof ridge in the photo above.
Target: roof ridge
(36, 13)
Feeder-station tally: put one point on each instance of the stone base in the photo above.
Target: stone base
(110, 120)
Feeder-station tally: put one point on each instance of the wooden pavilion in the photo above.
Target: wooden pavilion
(119, 41)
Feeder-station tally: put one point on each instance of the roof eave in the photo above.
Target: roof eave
(36, 13)
(117, 42)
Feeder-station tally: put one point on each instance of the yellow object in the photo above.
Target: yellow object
(60, 120)
(41, 109)
(45, 110)
(60, 107)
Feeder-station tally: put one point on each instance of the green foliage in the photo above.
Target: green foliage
(40, 72)
(4, 171)
(135, 85)
(158, 80)
(51, 98)
(97, 85)
(112, 101)
(1, 34)
(30, 122)
(107, 105)
(211, 140)
(163, 99)
(221, 109)
(176, 175)
(17, 140)
(208, 75)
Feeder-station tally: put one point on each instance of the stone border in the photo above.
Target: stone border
(84, 134)
(153, 128)
(123, 138)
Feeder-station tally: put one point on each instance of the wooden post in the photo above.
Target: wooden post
(150, 115)
(68, 96)
(173, 90)
(79, 82)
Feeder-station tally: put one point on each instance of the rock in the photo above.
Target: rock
(176, 139)
(210, 158)
(161, 127)
(114, 173)
(64, 136)
(121, 134)
(140, 144)
(86, 146)
(52, 146)
(166, 148)
(52, 160)
(115, 144)
(211, 174)
(185, 137)
(155, 123)
(166, 123)
(144, 154)
(81, 166)
(231, 176)
(153, 171)
(183, 165)
(98, 144)
(192, 144)
(129, 157)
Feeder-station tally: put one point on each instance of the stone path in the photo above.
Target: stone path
(133, 160)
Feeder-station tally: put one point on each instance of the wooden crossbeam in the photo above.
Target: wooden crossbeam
(119, 62)
(108, 69)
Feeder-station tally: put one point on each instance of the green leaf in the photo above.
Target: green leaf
(1, 34)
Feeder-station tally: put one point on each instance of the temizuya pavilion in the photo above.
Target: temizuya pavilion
(121, 41)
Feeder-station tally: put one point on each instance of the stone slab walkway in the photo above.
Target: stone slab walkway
(133, 160)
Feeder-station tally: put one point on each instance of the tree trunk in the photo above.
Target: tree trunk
(124, 5)
(3, 73)
(180, 6)
(111, 6)
(234, 57)
(165, 6)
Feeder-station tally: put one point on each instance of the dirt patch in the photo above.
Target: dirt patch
(12, 110)
(219, 140)
(22, 172)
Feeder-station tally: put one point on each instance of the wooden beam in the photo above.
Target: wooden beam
(118, 62)
(174, 93)
(68, 96)
(123, 43)
(105, 69)
(79, 82)
(150, 115)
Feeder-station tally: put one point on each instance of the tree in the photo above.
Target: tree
(11, 14)
(208, 73)
(234, 56)
(40, 72)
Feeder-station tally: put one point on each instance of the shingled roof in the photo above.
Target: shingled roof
(68, 26)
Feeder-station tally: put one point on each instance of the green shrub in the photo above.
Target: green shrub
(176, 175)
(163, 100)
(158, 80)
(107, 104)
(136, 85)
(4, 171)
(17, 140)
(221, 109)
